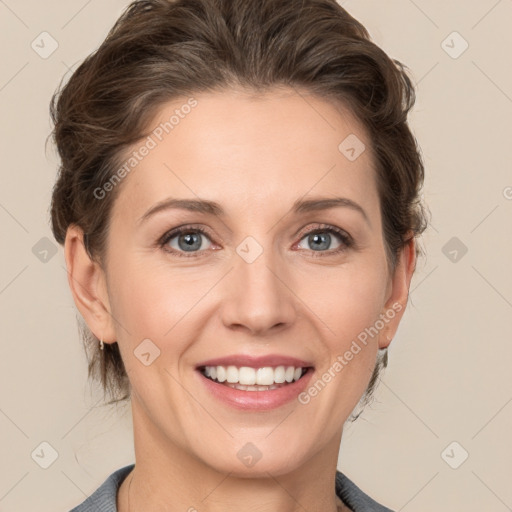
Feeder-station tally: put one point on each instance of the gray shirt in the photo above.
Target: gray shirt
(104, 498)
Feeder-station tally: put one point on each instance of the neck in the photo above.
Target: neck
(125, 504)
(166, 477)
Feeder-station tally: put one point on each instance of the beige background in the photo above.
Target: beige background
(449, 376)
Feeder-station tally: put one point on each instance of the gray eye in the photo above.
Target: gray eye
(188, 242)
(320, 241)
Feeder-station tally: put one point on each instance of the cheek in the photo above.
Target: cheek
(143, 290)
(151, 305)
(352, 299)
(153, 301)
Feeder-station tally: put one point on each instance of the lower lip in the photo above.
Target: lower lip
(256, 400)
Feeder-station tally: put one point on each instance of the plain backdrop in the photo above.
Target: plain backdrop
(438, 436)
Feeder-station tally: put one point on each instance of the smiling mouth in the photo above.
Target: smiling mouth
(254, 379)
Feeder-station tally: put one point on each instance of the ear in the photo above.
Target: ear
(398, 293)
(88, 286)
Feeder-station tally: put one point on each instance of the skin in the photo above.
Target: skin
(255, 156)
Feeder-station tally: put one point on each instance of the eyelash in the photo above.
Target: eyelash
(346, 240)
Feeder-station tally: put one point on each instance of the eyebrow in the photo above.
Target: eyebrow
(213, 208)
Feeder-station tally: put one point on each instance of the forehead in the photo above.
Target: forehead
(251, 151)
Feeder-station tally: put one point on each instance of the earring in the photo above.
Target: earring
(101, 345)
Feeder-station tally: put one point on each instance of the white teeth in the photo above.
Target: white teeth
(221, 373)
(251, 378)
(279, 374)
(247, 376)
(253, 388)
(264, 376)
(232, 374)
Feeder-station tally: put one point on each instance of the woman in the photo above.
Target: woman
(238, 202)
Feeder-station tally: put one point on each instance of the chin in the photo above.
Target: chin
(249, 462)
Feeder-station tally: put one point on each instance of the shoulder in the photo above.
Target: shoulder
(354, 497)
(104, 498)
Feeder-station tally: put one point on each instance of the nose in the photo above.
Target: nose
(257, 297)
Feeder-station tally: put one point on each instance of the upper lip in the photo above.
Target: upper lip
(256, 362)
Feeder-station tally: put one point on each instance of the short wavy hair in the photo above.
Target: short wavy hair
(159, 50)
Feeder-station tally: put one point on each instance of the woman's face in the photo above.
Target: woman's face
(255, 284)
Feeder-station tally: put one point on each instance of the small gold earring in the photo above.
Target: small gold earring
(101, 345)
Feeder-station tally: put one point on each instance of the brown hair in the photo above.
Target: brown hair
(159, 50)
